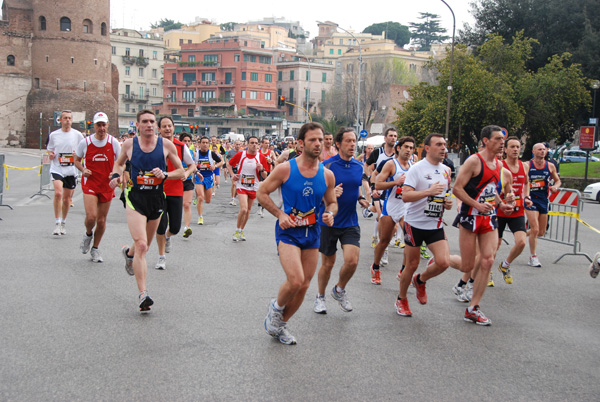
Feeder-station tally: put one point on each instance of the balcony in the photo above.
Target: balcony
(142, 61)
(135, 97)
(129, 59)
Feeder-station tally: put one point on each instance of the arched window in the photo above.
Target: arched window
(87, 26)
(10, 60)
(42, 23)
(103, 29)
(65, 24)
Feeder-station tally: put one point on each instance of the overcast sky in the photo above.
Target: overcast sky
(140, 14)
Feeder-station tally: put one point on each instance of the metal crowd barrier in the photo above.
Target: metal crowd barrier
(2, 176)
(563, 220)
(44, 177)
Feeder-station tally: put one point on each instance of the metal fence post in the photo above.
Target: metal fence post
(2, 175)
(44, 177)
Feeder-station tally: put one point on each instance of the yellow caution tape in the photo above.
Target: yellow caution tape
(6, 167)
(576, 216)
(588, 226)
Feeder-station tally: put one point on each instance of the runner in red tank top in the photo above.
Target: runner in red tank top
(95, 157)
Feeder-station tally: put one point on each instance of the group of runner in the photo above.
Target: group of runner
(320, 185)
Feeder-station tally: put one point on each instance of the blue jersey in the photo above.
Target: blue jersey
(539, 180)
(204, 161)
(349, 173)
(142, 164)
(302, 195)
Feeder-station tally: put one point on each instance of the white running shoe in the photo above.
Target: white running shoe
(167, 244)
(56, 231)
(595, 266)
(320, 307)
(342, 298)
(260, 212)
(162, 263)
(86, 243)
(384, 258)
(128, 260)
(96, 257)
(459, 292)
(468, 293)
(63, 228)
(232, 202)
(273, 320)
(534, 262)
(285, 337)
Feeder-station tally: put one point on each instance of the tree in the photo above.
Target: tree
(228, 26)
(428, 31)
(167, 24)
(393, 30)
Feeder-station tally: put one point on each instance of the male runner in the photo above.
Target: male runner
(145, 200)
(98, 152)
(540, 173)
(188, 188)
(230, 154)
(173, 190)
(207, 162)
(271, 162)
(348, 178)
(328, 148)
(515, 220)
(476, 186)
(290, 154)
(250, 165)
(304, 184)
(214, 142)
(61, 149)
(425, 194)
(391, 179)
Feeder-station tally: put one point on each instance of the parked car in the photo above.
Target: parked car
(592, 192)
(576, 156)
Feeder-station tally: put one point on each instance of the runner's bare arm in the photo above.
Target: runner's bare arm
(556, 178)
(386, 172)
(285, 155)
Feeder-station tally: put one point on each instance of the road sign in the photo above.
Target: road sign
(504, 132)
(363, 133)
(593, 120)
(586, 138)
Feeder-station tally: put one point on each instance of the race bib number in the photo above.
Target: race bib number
(490, 199)
(538, 184)
(435, 206)
(147, 181)
(248, 180)
(518, 203)
(303, 218)
(398, 194)
(66, 159)
(204, 165)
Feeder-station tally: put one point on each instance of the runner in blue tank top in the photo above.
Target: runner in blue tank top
(145, 200)
(304, 184)
(540, 172)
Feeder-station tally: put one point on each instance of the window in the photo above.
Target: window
(154, 91)
(330, 51)
(228, 78)
(253, 95)
(262, 44)
(65, 24)
(141, 53)
(174, 111)
(268, 78)
(243, 94)
(141, 72)
(208, 95)
(141, 91)
(87, 26)
(207, 77)
(253, 76)
(307, 75)
(154, 73)
(190, 112)
(127, 51)
(306, 94)
(114, 50)
(341, 41)
(324, 77)
(290, 110)
(267, 95)
(127, 89)
(323, 95)
(279, 92)
(188, 96)
(127, 107)
(250, 57)
(264, 59)
(243, 76)
(291, 94)
(189, 78)
(103, 29)
(36, 83)
(180, 42)
(292, 75)
(154, 55)
(173, 96)
(236, 57)
(127, 71)
(72, 59)
(339, 52)
(42, 23)
(174, 78)
(280, 76)
(211, 57)
(191, 57)
(10, 60)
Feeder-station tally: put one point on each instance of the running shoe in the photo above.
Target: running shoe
(469, 291)
(595, 266)
(459, 292)
(284, 336)
(128, 260)
(342, 298)
(261, 212)
(201, 221)
(242, 237)
(56, 231)
(374, 241)
(534, 262)
(320, 307)
(167, 244)
(505, 273)
(367, 213)
(385, 258)
(187, 232)
(421, 293)
(424, 254)
(477, 317)
(232, 202)
(402, 308)
(399, 244)
(195, 202)
(491, 281)
(145, 301)
(162, 263)
(63, 228)
(86, 243)
(236, 236)
(273, 320)
(399, 275)
(96, 257)
(375, 276)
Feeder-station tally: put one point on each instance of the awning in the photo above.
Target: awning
(265, 109)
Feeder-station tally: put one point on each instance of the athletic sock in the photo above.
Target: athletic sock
(338, 289)
(58, 220)
(402, 269)
(505, 264)
(88, 234)
(96, 248)
(470, 309)
(471, 280)
(375, 267)
(461, 283)
(419, 281)
(320, 296)
(277, 306)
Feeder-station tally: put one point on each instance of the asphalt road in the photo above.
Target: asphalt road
(70, 329)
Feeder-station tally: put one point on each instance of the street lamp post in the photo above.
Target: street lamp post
(451, 67)
(595, 86)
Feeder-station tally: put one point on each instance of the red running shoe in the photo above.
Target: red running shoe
(421, 292)
(402, 308)
(375, 276)
(477, 317)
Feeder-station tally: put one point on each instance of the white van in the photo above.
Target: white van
(233, 137)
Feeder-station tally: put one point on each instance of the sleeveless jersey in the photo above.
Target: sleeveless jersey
(268, 165)
(302, 195)
(247, 168)
(142, 164)
(174, 188)
(539, 181)
(394, 205)
(482, 188)
(204, 162)
(517, 186)
(100, 160)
